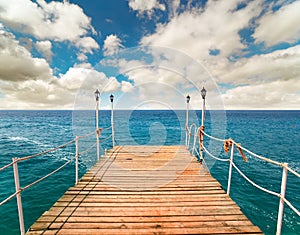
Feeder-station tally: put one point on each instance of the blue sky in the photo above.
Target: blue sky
(149, 54)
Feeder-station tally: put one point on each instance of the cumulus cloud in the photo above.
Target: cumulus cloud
(29, 83)
(270, 81)
(17, 63)
(112, 45)
(87, 44)
(88, 79)
(81, 56)
(127, 87)
(57, 92)
(173, 6)
(146, 7)
(197, 31)
(45, 48)
(278, 65)
(279, 26)
(58, 21)
(279, 94)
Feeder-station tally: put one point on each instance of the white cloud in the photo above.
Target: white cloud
(197, 31)
(83, 65)
(146, 7)
(58, 21)
(279, 94)
(278, 65)
(87, 44)
(279, 26)
(112, 44)
(45, 48)
(17, 63)
(270, 81)
(87, 79)
(81, 56)
(127, 87)
(29, 83)
(57, 93)
(173, 6)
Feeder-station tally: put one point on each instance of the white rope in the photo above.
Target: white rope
(240, 172)
(257, 156)
(45, 152)
(9, 198)
(247, 150)
(191, 126)
(6, 166)
(254, 184)
(87, 149)
(294, 172)
(48, 175)
(189, 130)
(89, 134)
(291, 206)
(107, 128)
(210, 154)
(211, 137)
(103, 140)
(197, 152)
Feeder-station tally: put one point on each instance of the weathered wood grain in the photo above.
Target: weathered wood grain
(145, 190)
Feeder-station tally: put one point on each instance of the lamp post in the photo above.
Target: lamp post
(97, 96)
(203, 94)
(112, 120)
(188, 98)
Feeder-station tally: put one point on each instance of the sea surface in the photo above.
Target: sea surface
(272, 134)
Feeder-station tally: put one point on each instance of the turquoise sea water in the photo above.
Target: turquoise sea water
(273, 134)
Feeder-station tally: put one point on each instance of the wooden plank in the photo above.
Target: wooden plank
(145, 190)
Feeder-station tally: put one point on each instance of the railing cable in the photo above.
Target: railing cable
(48, 175)
(233, 144)
(253, 183)
(45, 152)
(217, 158)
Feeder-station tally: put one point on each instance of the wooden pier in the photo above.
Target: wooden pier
(145, 190)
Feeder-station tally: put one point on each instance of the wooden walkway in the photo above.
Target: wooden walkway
(145, 190)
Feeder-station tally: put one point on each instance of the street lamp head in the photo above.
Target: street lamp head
(188, 98)
(203, 93)
(111, 98)
(97, 95)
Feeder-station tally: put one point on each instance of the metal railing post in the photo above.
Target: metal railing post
(97, 94)
(19, 199)
(112, 124)
(76, 159)
(230, 169)
(282, 196)
(203, 94)
(98, 143)
(194, 141)
(187, 120)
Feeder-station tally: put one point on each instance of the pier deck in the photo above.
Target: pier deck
(145, 190)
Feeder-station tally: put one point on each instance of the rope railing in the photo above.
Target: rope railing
(217, 158)
(87, 149)
(229, 143)
(15, 162)
(48, 175)
(107, 128)
(89, 134)
(6, 166)
(9, 198)
(260, 157)
(254, 184)
(293, 172)
(107, 138)
(45, 152)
